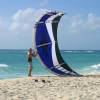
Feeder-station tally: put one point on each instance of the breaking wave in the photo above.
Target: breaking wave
(3, 65)
(80, 51)
(92, 69)
(96, 66)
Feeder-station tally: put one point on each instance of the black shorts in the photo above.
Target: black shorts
(29, 60)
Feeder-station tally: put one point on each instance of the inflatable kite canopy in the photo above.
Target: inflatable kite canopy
(46, 44)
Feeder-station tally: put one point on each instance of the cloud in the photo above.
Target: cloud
(17, 29)
(74, 24)
(24, 20)
(93, 22)
(79, 24)
(22, 24)
(79, 32)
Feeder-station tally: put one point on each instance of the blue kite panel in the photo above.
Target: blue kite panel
(46, 55)
(42, 35)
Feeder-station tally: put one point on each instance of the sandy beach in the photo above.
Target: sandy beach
(51, 88)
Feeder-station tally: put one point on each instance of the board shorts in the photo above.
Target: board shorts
(29, 59)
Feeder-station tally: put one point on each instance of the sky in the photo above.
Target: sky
(79, 28)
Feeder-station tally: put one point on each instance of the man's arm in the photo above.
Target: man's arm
(35, 53)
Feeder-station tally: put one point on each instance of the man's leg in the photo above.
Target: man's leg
(30, 69)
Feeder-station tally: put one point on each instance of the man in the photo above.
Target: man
(30, 54)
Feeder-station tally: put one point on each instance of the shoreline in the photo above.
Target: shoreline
(51, 75)
(51, 88)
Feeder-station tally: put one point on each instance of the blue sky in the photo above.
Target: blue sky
(79, 28)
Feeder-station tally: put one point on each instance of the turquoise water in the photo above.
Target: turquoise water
(83, 61)
(13, 63)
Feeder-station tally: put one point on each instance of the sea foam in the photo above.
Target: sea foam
(96, 66)
(3, 65)
(92, 69)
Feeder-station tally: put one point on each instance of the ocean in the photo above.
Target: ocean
(13, 63)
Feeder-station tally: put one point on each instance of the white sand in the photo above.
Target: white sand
(54, 88)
